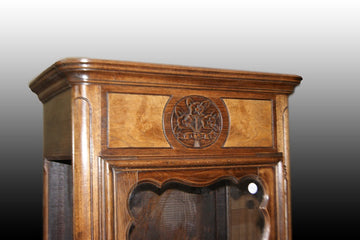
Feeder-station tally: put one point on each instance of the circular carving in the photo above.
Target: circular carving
(196, 121)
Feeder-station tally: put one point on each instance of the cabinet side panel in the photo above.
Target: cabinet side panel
(59, 201)
(57, 126)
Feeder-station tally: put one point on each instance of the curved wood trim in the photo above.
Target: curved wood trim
(66, 72)
(82, 168)
(235, 179)
(205, 161)
(191, 177)
(122, 178)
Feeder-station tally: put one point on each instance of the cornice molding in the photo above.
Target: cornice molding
(64, 73)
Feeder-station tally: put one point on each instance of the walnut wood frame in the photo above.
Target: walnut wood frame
(75, 94)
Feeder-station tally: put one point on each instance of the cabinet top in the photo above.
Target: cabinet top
(64, 73)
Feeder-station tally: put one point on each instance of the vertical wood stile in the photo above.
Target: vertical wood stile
(283, 179)
(82, 189)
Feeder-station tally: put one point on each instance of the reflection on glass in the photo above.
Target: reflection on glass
(245, 218)
(252, 188)
(221, 211)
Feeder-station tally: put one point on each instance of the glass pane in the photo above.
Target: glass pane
(245, 218)
(223, 210)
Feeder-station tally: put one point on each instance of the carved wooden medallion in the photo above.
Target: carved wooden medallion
(196, 121)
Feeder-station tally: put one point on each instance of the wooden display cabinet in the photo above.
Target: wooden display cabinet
(148, 151)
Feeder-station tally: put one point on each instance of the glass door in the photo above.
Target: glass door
(222, 210)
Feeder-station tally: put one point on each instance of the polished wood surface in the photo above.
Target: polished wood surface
(251, 123)
(127, 178)
(57, 126)
(135, 121)
(117, 125)
(64, 73)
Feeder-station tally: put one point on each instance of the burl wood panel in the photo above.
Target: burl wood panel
(135, 120)
(57, 126)
(250, 123)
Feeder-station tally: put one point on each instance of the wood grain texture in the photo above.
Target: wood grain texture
(196, 121)
(113, 119)
(82, 165)
(124, 182)
(66, 72)
(86, 122)
(135, 121)
(127, 180)
(85, 136)
(251, 123)
(57, 126)
(282, 120)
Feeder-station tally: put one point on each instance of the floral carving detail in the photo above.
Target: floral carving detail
(196, 121)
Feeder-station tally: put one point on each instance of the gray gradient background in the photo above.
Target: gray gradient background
(319, 40)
